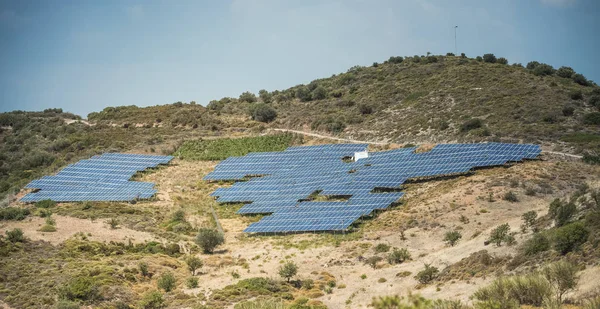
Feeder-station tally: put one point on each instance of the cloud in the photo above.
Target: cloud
(560, 3)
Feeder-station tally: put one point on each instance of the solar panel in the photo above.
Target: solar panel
(288, 179)
(100, 178)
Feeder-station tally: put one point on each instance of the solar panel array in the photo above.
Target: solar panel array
(100, 178)
(289, 177)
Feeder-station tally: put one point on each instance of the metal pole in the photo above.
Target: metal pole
(455, 49)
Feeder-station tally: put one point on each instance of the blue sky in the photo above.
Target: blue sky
(84, 55)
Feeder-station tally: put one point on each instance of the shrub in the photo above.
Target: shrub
(510, 292)
(45, 204)
(248, 97)
(380, 248)
(308, 284)
(303, 93)
(263, 113)
(288, 270)
(502, 60)
(500, 234)
(576, 95)
(397, 59)
(595, 101)
(562, 276)
(13, 213)
(580, 79)
(471, 124)
(265, 96)
(178, 216)
(15, 235)
(143, 269)
(271, 304)
(209, 239)
(113, 223)
(152, 300)
(569, 237)
(592, 118)
(538, 243)
(166, 281)
(568, 111)
(373, 260)
(489, 58)
(561, 212)
(510, 197)
(375, 64)
(532, 65)
(194, 263)
(80, 288)
(365, 109)
(398, 256)
(479, 59)
(452, 237)
(565, 72)
(319, 93)
(543, 70)
(427, 274)
(192, 282)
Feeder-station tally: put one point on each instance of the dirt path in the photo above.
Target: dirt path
(66, 227)
(381, 143)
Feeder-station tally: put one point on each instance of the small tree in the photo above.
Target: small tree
(428, 274)
(288, 270)
(500, 234)
(194, 263)
(303, 93)
(15, 235)
(529, 219)
(562, 212)
(569, 237)
(562, 276)
(319, 93)
(502, 60)
(209, 239)
(152, 300)
(538, 243)
(263, 113)
(373, 260)
(580, 79)
(166, 281)
(489, 58)
(532, 65)
(452, 237)
(565, 72)
(265, 96)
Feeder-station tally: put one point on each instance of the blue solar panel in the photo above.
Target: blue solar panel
(101, 178)
(289, 177)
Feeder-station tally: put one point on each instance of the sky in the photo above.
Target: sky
(86, 55)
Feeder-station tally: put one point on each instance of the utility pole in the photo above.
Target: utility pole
(455, 49)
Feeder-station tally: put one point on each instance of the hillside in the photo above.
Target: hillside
(501, 237)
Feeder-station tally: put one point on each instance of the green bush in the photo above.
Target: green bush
(395, 59)
(166, 281)
(580, 79)
(471, 124)
(510, 197)
(209, 239)
(308, 284)
(529, 219)
(428, 274)
(192, 282)
(80, 288)
(265, 96)
(381, 247)
(365, 109)
(576, 95)
(268, 304)
(489, 58)
(398, 256)
(500, 234)
(543, 69)
(263, 113)
(568, 111)
(569, 237)
(373, 260)
(513, 291)
(502, 60)
(319, 93)
(288, 270)
(592, 118)
(248, 97)
(562, 276)
(452, 237)
(538, 243)
(15, 235)
(45, 204)
(561, 212)
(13, 213)
(565, 72)
(532, 65)
(303, 93)
(152, 300)
(143, 266)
